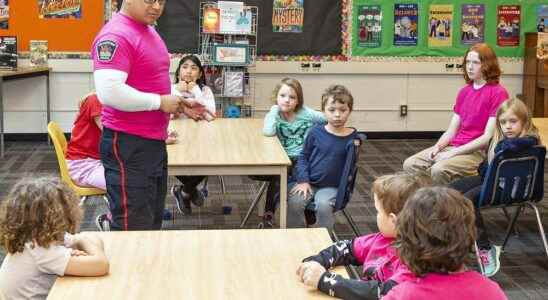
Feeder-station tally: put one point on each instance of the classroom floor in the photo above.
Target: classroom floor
(524, 272)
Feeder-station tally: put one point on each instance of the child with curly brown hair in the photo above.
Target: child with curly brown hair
(435, 236)
(38, 224)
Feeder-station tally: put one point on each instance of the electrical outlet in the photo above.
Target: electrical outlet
(403, 110)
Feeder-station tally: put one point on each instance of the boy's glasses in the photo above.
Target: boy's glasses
(150, 2)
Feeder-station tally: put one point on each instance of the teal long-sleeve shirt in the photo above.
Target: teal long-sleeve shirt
(291, 134)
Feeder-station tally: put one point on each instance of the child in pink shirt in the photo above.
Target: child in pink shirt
(460, 149)
(435, 235)
(382, 268)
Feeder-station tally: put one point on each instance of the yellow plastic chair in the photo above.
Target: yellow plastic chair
(60, 144)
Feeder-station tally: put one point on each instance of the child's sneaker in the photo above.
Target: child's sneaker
(183, 203)
(490, 260)
(268, 221)
(102, 222)
(310, 217)
(197, 198)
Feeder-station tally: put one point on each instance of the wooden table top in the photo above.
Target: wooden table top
(24, 71)
(206, 264)
(542, 126)
(224, 142)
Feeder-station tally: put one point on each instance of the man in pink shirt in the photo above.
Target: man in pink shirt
(131, 72)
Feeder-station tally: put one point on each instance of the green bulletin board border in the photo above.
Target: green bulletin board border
(387, 48)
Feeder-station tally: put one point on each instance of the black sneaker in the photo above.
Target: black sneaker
(310, 217)
(181, 199)
(102, 222)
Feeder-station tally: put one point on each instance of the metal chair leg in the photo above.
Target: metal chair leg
(540, 227)
(351, 222)
(508, 218)
(480, 264)
(223, 187)
(511, 226)
(82, 200)
(262, 189)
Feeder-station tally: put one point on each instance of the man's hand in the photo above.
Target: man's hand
(170, 103)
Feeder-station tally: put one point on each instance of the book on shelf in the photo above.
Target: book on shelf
(211, 20)
(234, 84)
(8, 52)
(233, 17)
(38, 53)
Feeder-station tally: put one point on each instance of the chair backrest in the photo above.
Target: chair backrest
(514, 177)
(348, 178)
(60, 143)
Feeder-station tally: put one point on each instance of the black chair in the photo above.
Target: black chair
(515, 179)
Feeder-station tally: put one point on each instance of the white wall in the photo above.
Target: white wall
(379, 88)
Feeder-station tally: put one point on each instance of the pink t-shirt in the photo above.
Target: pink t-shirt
(468, 285)
(138, 50)
(379, 259)
(474, 108)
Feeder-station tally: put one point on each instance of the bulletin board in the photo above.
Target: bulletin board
(387, 48)
(321, 34)
(70, 35)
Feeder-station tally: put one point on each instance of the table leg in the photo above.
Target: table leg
(48, 117)
(1, 118)
(283, 197)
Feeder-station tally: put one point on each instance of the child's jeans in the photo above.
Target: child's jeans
(322, 202)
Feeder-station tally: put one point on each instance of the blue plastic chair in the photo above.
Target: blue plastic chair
(348, 180)
(515, 179)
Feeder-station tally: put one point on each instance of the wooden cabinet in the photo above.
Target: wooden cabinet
(535, 78)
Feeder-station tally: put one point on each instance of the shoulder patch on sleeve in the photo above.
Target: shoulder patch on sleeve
(106, 50)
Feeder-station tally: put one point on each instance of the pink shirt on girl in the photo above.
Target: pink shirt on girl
(474, 108)
(469, 285)
(136, 49)
(379, 259)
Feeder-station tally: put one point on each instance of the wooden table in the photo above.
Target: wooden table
(21, 73)
(228, 147)
(201, 264)
(542, 126)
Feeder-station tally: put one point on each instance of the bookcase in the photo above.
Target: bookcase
(535, 78)
(228, 47)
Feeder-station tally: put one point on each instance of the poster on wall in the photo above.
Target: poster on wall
(406, 19)
(369, 26)
(4, 14)
(59, 9)
(111, 7)
(38, 53)
(473, 24)
(542, 18)
(440, 24)
(288, 16)
(8, 52)
(542, 46)
(508, 25)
